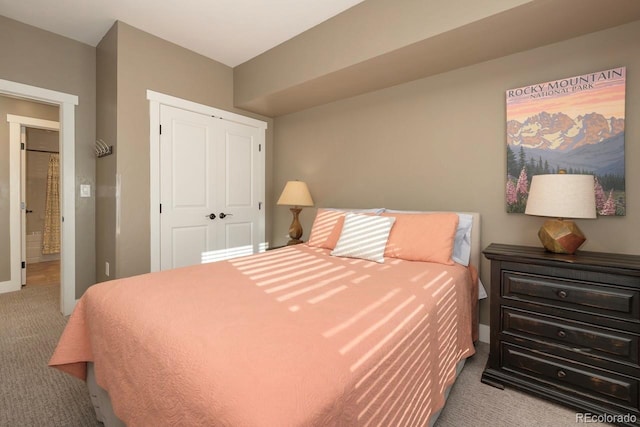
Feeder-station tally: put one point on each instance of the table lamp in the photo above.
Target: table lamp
(295, 193)
(561, 196)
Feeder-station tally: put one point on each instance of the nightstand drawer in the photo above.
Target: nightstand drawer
(585, 339)
(576, 379)
(584, 296)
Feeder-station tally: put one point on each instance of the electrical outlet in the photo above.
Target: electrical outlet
(106, 268)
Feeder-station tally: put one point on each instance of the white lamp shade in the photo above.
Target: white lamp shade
(295, 193)
(562, 196)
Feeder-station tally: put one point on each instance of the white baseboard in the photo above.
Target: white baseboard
(483, 333)
(10, 286)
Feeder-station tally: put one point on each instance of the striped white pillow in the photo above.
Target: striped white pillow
(364, 236)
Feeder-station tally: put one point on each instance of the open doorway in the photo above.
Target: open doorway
(11, 268)
(41, 197)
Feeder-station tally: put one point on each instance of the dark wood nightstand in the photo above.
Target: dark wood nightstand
(567, 328)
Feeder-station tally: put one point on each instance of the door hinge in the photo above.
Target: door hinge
(160, 129)
(24, 264)
(160, 207)
(259, 147)
(259, 205)
(22, 145)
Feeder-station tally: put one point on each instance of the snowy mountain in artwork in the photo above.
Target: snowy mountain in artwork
(589, 142)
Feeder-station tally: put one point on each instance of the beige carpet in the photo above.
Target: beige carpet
(472, 403)
(31, 394)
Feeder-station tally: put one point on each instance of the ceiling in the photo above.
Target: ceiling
(228, 31)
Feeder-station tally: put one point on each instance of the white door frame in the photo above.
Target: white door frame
(66, 103)
(17, 131)
(155, 100)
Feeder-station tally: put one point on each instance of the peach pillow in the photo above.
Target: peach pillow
(422, 237)
(326, 228)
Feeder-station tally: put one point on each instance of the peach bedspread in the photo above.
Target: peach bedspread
(290, 337)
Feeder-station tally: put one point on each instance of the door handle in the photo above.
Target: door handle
(211, 216)
(223, 215)
(29, 211)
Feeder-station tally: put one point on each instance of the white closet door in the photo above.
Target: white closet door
(211, 187)
(187, 187)
(241, 167)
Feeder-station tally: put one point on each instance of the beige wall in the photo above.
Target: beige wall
(148, 62)
(16, 107)
(106, 130)
(382, 43)
(39, 58)
(361, 33)
(439, 144)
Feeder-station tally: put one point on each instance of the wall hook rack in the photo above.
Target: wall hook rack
(102, 149)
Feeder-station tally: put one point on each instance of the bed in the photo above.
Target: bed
(298, 336)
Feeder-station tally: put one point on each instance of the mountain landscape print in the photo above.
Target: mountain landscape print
(573, 125)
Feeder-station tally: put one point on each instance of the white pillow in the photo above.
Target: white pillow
(364, 237)
(462, 241)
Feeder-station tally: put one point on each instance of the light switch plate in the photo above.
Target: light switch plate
(85, 190)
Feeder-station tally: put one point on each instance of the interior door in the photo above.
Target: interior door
(240, 182)
(211, 186)
(187, 187)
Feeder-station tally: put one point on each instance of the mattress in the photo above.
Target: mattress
(290, 337)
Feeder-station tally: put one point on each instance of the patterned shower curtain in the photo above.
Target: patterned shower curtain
(51, 233)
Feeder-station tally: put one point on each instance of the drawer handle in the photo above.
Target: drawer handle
(562, 334)
(561, 374)
(562, 294)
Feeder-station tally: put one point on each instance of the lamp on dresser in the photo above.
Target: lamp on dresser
(561, 196)
(296, 194)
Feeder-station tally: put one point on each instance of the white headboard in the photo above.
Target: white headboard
(476, 249)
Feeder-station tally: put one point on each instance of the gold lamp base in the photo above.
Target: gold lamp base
(561, 236)
(295, 230)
